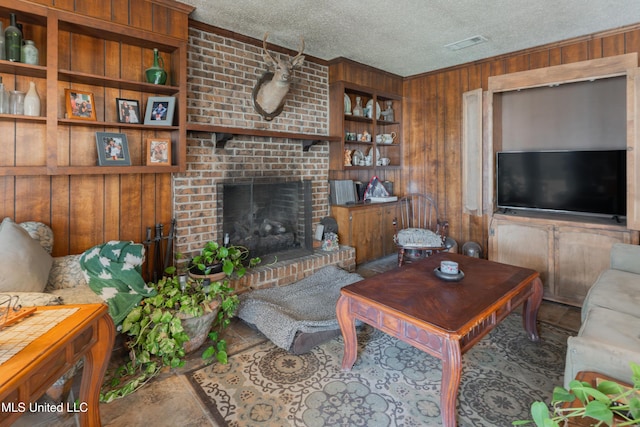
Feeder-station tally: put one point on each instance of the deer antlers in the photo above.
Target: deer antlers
(266, 51)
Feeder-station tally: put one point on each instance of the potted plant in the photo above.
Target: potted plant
(163, 328)
(215, 258)
(608, 403)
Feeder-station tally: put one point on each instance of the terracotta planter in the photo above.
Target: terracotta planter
(216, 277)
(215, 274)
(198, 327)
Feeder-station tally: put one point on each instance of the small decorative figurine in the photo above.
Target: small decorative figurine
(347, 157)
(358, 110)
(330, 242)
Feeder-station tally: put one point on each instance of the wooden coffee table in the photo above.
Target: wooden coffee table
(444, 319)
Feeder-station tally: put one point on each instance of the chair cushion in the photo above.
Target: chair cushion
(418, 238)
(24, 263)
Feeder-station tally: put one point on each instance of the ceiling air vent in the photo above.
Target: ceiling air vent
(461, 44)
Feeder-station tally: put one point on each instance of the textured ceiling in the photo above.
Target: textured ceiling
(407, 37)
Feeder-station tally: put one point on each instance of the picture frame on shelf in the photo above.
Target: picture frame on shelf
(79, 105)
(158, 152)
(159, 110)
(113, 149)
(128, 110)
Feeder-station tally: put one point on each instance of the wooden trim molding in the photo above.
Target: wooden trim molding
(567, 73)
(633, 148)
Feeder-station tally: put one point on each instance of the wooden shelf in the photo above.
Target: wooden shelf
(102, 170)
(97, 123)
(37, 71)
(225, 133)
(23, 118)
(91, 79)
(23, 170)
(352, 118)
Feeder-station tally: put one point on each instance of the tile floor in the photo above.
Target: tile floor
(153, 405)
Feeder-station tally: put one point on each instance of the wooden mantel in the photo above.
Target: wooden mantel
(225, 133)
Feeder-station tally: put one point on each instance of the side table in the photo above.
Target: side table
(39, 349)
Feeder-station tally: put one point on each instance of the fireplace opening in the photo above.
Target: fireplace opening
(270, 218)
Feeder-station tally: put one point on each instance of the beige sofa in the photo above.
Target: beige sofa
(32, 274)
(609, 336)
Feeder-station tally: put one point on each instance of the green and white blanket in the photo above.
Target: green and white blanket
(113, 270)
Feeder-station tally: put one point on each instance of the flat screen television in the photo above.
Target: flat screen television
(582, 182)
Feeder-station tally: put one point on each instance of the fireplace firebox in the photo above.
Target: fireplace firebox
(272, 218)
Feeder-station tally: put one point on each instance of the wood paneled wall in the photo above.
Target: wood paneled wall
(432, 119)
(85, 210)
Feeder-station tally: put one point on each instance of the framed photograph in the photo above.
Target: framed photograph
(113, 149)
(158, 151)
(80, 104)
(159, 111)
(128, 110)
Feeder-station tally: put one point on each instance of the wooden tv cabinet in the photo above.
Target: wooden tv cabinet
(568, 251)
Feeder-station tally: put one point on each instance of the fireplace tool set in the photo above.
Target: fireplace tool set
(160, 257)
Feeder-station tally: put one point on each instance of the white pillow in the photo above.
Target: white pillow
(24, 264)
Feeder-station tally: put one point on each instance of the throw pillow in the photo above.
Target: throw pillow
(66, 273)
(24, 263)
(42, 233)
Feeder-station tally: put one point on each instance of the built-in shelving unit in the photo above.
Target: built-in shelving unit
(344, 123)
(84, 53)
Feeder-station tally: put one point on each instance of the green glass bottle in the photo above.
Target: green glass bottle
(156, 73)
(13, 40)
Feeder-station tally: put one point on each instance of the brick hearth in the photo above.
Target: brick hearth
(287, 272)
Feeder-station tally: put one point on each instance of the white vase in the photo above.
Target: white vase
(32, 101)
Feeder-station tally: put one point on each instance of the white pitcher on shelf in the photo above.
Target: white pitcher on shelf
(388, 138)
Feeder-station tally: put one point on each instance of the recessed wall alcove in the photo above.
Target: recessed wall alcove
(588, 105)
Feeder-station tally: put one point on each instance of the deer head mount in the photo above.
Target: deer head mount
(270, 91)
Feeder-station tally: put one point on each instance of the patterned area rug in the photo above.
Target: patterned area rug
(391, 383)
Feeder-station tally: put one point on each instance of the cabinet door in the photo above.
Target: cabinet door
(366, 233)
(524, 245)
(342, 215)
(581, 254)
(388, 230)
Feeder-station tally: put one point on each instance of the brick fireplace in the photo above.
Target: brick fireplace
(222, 72)
(271, 218)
